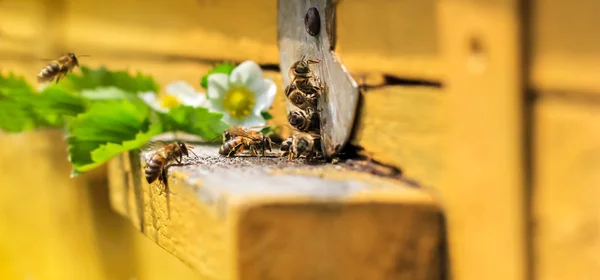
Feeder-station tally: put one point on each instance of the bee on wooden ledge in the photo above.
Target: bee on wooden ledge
(160, 156)
(237, 139)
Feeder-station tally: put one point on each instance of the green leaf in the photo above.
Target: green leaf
(16, 116)
(101, 77)
(14, 82)
(198, 121)
(107, 129)
(21, 109)
(270, 130)
(224, 68)
(54, 104)
(266, 115)
(106, 152)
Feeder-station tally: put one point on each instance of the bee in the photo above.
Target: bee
(302, 99)
(301, 74)
(157, 162)
(305, 120)
(59, 68)
(236, 139)
(285, 146)
(301, 144)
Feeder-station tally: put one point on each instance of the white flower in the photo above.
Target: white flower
(177, 93)
(241, 96)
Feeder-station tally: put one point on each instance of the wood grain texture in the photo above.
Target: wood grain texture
(249, 218)
(566, 189)
(405, 127)
(483, 182)
(565, 46)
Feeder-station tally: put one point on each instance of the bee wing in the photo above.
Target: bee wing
(153, 146)
(237, 131)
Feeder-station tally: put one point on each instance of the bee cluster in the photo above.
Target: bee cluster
(303, 93)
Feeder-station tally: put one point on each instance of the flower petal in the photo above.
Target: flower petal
(195, 100)
(180, 87)
(215, 105)
(254, 120)
(152, 101)
(247, 73)
(230, 120)
(264, 98)
(218, 84)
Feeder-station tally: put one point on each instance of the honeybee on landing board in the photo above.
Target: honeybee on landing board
(305, 120)
(59, 68)
(285, 146)
(236, 139)
(301, 144)
(301, 74)
(161, 155)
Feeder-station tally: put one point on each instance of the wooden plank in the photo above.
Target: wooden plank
(250, 218)
(566, 188)
(236, 30)
(566, 46)
(22, 22)
(389, 37)
(483, 183)
(405, 127)
(401, 35)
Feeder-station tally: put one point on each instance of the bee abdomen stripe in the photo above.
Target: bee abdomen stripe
(155, 162)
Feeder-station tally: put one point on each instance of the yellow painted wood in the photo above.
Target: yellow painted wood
(49, 222)
(483, 182)
(391, 37)
(566, 188)
(565, 46)
(228, 229)
(402, 34)
(405, 127)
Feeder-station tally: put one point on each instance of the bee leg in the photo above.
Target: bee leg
(58, 77)
(235, 150)
(254, 152)
(309, 157)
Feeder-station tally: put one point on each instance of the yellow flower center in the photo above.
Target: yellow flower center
(169, 101)
(238, 102)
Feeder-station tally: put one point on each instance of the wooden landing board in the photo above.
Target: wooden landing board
(250, 218)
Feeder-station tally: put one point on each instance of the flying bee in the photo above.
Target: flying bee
(236, 139)
(302, 144)
(161, 156)
(59, 68)
(305, 120)
(302, 99)
(301, 74)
